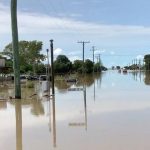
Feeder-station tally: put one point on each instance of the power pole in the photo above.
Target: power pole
(48, 74)
(83, 43)
(16, 65)
(93, 49)
(52, 67)
(99, 60)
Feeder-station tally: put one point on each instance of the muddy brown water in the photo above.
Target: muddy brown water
(110, 111)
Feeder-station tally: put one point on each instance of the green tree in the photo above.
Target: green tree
(99, 68)
(62, 64)
(77, 65)
(147, 61)
(30, 54)
(118, 67)
(40, 68)
(88, 66)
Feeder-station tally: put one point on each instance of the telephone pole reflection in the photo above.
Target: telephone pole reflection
(85, 107)
(18, 110)
(52, 119)
(81, 124)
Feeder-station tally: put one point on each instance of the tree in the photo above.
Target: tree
(29, 52)
(40, 68)
(62, 64)
(99, 68)
(147, 61)
(147, 78)
(118, 67)
(77, 65)
(88, 66)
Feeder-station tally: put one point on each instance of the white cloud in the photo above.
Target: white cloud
(32, 23)
(73, 58)
(58, 51)
(140, 57)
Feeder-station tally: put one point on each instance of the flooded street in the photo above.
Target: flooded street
(110, 111)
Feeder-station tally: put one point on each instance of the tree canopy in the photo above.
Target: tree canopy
(30, 54)
(147, 61)
(62, 64)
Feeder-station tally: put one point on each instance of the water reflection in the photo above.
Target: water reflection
(54, 121)
(107, 121)
(89, 79)
(83, 123)
(147, 78)
(85, 107)
(62, 85)
(37, 108)
(138, 75)
(142, 76)
(18, 110)
(3, 105)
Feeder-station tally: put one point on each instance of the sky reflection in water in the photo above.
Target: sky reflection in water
(110, 113)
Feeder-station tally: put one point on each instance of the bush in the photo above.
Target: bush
(30, 85)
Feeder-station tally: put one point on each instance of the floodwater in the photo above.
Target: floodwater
(110, 111)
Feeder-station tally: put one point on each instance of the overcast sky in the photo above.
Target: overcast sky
(115, 27)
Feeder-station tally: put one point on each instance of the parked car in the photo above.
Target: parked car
(32, 78)
(43, 78)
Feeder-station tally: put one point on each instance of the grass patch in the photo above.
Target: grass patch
(30, 85)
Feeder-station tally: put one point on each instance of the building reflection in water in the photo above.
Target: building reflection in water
(18, 110)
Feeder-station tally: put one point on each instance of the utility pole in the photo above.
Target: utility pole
(93, 49)
(52, 67)
(16, 65)
(48, 74)
(99, 61)
(83, 43)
